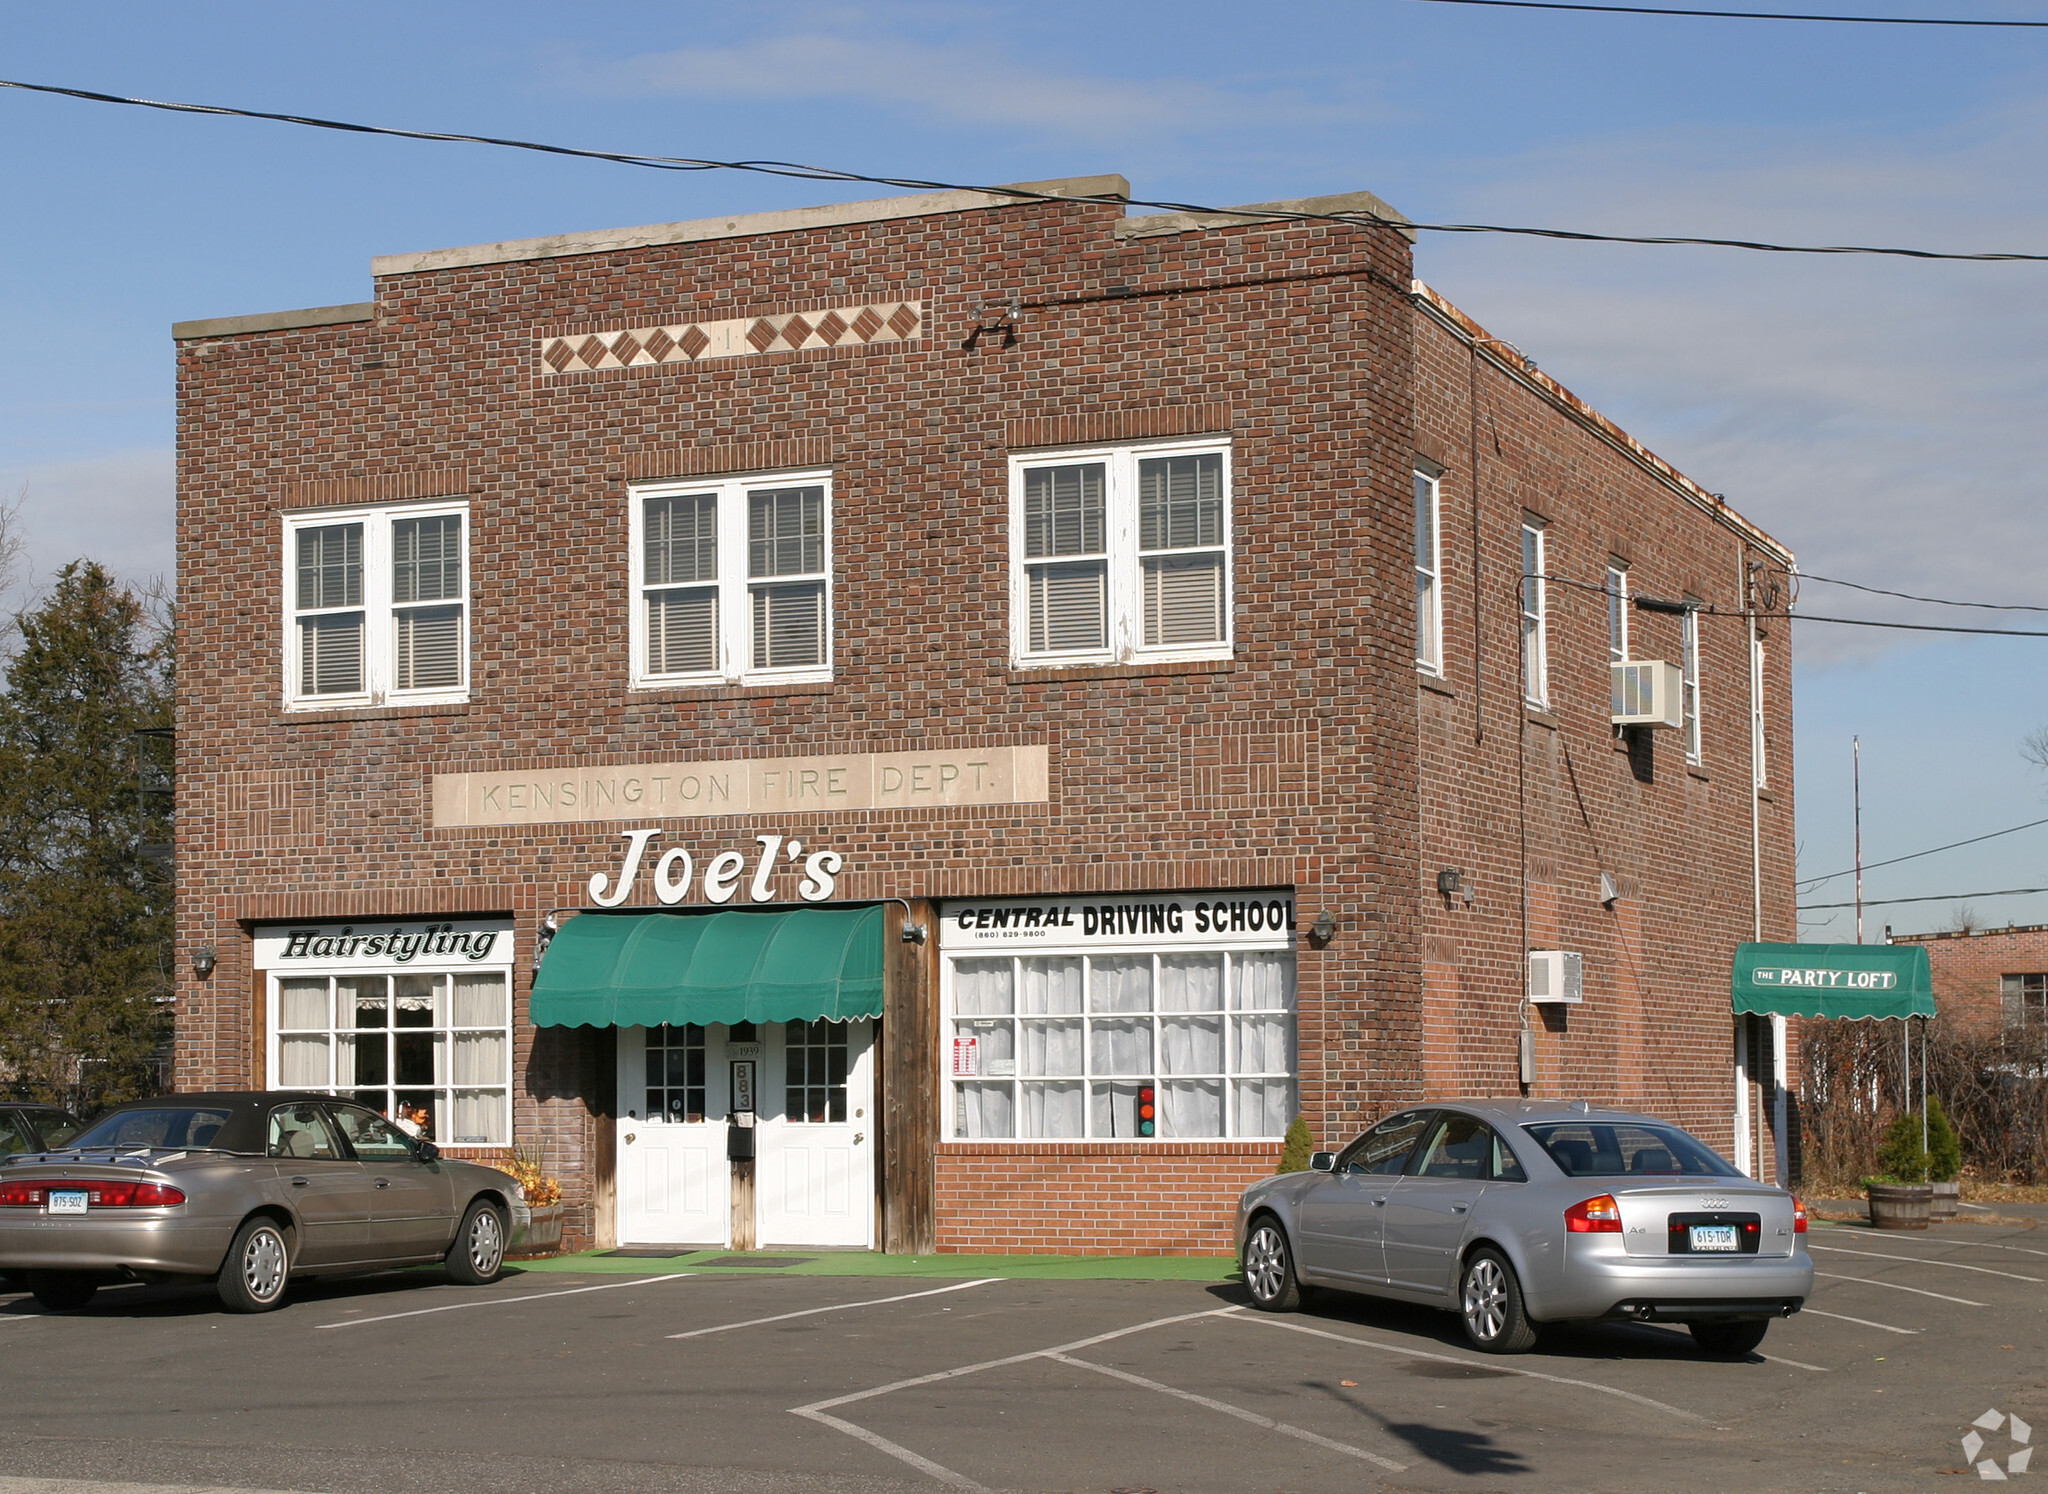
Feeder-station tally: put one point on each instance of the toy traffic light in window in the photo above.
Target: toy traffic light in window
(1145, 1110)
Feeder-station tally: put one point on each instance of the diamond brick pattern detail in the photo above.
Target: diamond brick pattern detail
(744, 337)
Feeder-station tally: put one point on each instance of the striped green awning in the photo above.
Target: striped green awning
(642, 969)
(1834, 980)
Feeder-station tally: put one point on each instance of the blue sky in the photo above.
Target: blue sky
(1883, 417)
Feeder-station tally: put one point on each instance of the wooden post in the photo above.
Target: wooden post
(743, 1232)
(908, 1103)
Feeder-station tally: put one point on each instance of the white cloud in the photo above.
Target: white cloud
(1884, 417)
(117, 509)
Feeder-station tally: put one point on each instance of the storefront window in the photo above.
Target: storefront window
(433, 1052)
(1152, 1045)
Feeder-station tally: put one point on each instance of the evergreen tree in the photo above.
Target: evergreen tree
(85, 922)
(1944, 1148)
(1294, 1151)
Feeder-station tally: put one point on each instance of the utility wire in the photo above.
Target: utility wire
(1910, 597)
(1943, 897)
(1022, 194)
(1743, 15)
(1872, 622)
(1916, 855)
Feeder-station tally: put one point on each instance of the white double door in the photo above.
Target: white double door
(814, 1134)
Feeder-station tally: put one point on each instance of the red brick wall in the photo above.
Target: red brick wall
(1968, 971)
(1183, 1201)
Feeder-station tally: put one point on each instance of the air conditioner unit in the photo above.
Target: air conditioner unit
(1646, 692)
(1557, 975)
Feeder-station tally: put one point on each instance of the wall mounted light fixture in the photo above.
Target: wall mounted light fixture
(1447, 880)
(1324, 929)
(203, 960)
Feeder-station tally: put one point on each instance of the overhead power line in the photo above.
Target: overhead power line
(1944, 897)
(1910, 597)
(1916, 855)
(1745, 15)
(1022, 194)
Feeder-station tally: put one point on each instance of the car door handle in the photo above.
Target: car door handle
(1459, 1208)
(300, 1182)
(1379, 1201)
(383, 1182)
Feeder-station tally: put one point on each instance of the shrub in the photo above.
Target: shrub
(1902, 1156)
(1294, 1152)
(1944, 1148)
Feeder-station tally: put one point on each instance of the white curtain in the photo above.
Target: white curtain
(1055, 1111)
(1052, 987)
(1265, 982)
(995, 1042)
(1052, 1048)
(1191, 1045)
(480, 1000)
(1121, 1045)
(1262, 1045)
(302, 1061)
(482, 1058)
(983, 1110)
(1123, 984)
(981, 988)
(1264, 1106)
(1114, 1110)
(479, 1117)
(1191, 983)
(302, 1003)
(425, 997)
(364, 999)
(1191, 1107)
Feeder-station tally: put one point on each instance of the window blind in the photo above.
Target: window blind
(331, 566)
(786, 532)
(1180, 502)
(681, 539)
(789, 625)
(1063, 510)
(1183, 599)
(1069, 606)
(428, 648)
(331, 654)
(426, 559)
(682, 631)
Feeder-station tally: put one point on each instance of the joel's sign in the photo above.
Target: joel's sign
(675, 871)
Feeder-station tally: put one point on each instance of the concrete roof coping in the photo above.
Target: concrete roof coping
(739, 226)
(1150, 225)
(275, 321)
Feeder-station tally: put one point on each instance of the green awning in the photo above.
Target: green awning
(1834, 980)
(641, 969)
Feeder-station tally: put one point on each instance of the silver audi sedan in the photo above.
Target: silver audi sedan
(1518, 1213)
(248, 1190)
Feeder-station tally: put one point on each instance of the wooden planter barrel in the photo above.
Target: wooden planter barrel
(1900, 1205)
(1947, 1200)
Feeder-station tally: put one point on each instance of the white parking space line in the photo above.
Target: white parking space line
(1925, 1260)
(811, 1312)
(1507, 1369)
(1842, 1317)
(1835, 1229)
(1238, 1411)
(1895, 1287)
(817, 1409)
(420, 1312)
(1817, 1368)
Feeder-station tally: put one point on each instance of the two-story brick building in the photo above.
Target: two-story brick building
(997, 705)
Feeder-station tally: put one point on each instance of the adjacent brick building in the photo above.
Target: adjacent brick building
(1989, 980)
(1130, 609)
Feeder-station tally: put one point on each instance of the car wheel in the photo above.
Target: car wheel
(60, 1291)
(1490, 1304)
(1730, 1340)
(477, 1257)
(1269, 1268)
(257, 1270)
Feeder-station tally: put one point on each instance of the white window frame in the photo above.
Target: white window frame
(1429, 574)
(1689, 689)
(380, 636)
(1535, 615)
(1126, 600)
(1617, 612)
(735, 587)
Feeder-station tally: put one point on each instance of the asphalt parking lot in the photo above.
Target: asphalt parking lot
(738, 1380)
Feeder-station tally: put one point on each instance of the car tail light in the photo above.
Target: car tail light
(1594, 1216)
(99, 1193)
(1798, 1216)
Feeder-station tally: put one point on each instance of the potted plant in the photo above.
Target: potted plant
(543, 1199)
(1944, 1163)
(1899, 1192)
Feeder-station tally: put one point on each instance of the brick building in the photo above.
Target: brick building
(1015, 699)
(1989, 980)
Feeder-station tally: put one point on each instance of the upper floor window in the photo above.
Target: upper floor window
(1429, 612)
(1617, 612)
(1120, 554)
(1535, 621)
(2025, 999)
(1689, 634)
(378, 606)
(732, 580)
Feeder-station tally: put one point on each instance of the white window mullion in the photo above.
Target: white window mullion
(734, 638)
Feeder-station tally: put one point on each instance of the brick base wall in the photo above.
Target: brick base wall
(1079, 1199)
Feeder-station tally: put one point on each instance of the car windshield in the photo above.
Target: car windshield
(167, 1127)
(1601, 1149)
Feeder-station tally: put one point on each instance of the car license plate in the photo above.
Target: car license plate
(67, 1201)
(1713, 1237)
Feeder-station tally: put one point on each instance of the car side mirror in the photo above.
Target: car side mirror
(1322, 1162)
(429, 1152)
